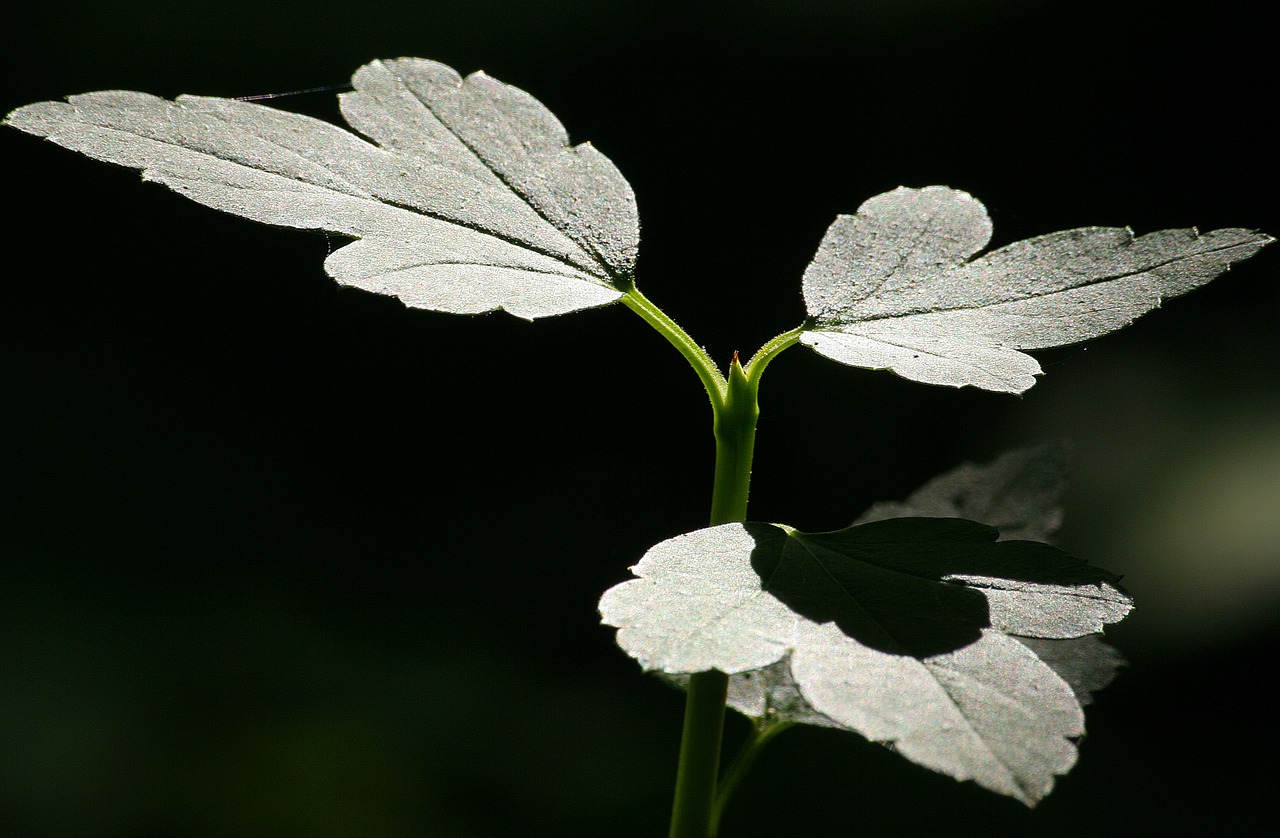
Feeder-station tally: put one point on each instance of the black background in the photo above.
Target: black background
(281, 559)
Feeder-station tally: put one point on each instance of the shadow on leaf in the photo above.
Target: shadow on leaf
(925, 586)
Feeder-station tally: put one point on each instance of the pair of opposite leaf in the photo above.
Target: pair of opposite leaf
(471, 199)
(972, 655)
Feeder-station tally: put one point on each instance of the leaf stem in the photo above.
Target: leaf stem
(771, 349)
(762, 733)
(708, 373)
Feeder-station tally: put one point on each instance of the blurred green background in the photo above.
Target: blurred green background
(279, 559)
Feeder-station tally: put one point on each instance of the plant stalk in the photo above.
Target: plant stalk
(734, 426)
(697, 357)
(761, 734)
(695, 812)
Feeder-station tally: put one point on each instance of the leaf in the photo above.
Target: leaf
(766, 693)
(1085, 663)
(472, 200)
(900, 630)
(894, 287)
(1018, 493)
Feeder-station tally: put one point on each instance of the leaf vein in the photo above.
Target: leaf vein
(505, 181)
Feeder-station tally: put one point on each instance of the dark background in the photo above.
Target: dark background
(280, 559)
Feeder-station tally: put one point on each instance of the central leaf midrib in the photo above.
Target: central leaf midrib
(360, 193)
(916, 312)
(577, 272)
(454, 263)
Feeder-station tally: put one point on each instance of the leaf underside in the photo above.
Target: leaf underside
(972, 656)
(470, 199)
(905, 631)
(1019, 493)
(895, 287)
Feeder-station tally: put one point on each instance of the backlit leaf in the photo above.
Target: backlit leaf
(471, 200)
(1018, 493)
(895, 287)
(903, 630)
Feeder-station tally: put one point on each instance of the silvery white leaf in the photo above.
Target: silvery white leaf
(472, 200)
(905, 631)
(895, 287)
(1017, 493)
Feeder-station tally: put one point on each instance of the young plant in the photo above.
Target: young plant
(945, 626)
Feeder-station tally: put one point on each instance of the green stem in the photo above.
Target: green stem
(697, 357)
(761, 734)
(772, 349)
(695, 812)
(734, 426)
